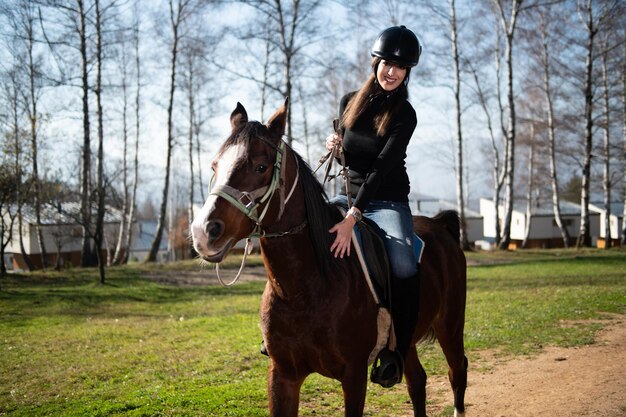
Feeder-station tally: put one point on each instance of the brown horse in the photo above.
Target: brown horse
(317, 312)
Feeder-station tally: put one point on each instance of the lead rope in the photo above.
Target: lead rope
(247, 250)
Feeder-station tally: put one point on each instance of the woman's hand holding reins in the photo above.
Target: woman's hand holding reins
(333, 140)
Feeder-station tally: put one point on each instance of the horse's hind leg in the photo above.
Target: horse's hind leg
(458, 380)
(416, 382)
(457, 369)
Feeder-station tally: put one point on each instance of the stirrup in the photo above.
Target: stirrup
(387, 368)
(264, 349)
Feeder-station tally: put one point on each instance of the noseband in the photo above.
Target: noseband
(248, 202)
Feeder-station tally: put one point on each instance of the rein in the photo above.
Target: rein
(336, 152)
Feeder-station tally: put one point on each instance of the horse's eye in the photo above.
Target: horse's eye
(261, 168)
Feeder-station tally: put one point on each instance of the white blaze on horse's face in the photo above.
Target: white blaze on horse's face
(199, 232)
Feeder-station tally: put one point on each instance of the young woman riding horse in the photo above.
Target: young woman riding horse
(317, 312)
(377, 124)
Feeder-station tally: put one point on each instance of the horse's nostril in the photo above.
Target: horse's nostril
(214, 229)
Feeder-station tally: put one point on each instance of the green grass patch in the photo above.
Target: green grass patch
(132, 347)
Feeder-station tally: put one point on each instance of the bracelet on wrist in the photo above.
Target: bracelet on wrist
(356, 214)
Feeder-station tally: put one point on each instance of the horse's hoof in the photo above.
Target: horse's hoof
(387, 368)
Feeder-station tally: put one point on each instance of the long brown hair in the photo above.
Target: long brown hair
(367, 93)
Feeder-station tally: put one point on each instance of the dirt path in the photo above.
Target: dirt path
(587, 381)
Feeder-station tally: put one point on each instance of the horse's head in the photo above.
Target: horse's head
(246, 175)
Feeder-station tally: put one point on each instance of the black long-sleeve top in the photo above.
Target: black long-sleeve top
(376, 164)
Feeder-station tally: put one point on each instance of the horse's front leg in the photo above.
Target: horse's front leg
(283, 391)
(354, 384)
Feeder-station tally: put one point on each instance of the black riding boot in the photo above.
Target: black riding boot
(388, 367)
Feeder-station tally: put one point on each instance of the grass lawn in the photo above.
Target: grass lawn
(131, 347)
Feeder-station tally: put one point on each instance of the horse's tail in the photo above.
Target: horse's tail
(451, 221)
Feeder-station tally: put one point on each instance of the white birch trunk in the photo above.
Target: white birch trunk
(459, 132)
(529, 193)
(556, 201)
(606, 178)
(509, 29)
(584, 236)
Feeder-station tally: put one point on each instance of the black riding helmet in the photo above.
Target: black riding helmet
(398, 44)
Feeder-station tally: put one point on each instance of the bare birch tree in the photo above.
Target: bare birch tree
(530, 184)
(15, 184)
(133, 195)
(623, 93)
(606, 172)
(460, 200)
(192, 53)
(546, 65)
(593, 20)
(85, 191)
(485, 95)
(99, 227)
(123, 69)
(508, 25)
(291, 28)
(611, 61)
(179, 12)
(8, 198)
(66, 26)
(590, 25)
(22, 16)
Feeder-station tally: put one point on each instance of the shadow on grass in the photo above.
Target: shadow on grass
(26, 296)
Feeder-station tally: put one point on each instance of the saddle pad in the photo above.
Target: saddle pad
(418, 244)
(418, 248)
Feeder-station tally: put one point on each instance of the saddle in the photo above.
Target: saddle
(372, 247)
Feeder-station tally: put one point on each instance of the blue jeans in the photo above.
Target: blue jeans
(395, 220)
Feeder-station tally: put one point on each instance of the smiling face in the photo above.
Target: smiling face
(390, 75)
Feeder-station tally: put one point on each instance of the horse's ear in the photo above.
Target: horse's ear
(276, 124)
(238, 117)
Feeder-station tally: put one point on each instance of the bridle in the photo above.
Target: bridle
(249, 202)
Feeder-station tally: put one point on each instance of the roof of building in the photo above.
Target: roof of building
(544, 207)
(65, 213)
(617, 208)
(430, 206)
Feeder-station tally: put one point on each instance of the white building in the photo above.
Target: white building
(616, 222)
(544, 232)
(61, 232)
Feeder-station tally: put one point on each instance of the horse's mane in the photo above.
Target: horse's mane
(321, 216)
